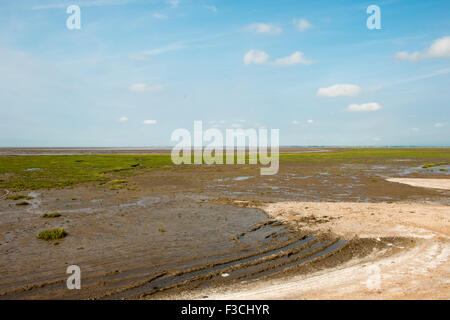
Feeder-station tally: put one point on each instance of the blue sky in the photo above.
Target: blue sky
(138, 70)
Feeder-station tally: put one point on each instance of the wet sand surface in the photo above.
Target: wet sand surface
(443, 184)
(183, 231)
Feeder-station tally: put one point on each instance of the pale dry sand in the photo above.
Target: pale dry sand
(418, 272)
(443, 184)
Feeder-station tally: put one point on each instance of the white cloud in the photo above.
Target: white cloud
(295, 122)
(302, 24)
(159, 16)
(336, 90)
(122, 119)
(212, 8)
(439, 125)
(143, 87)
(440, 48)
(149, 122)
(264, 28)
(256, 57)
(377, 139)
(364, 107)
(295, 58)
(415, 129)
(310, 121)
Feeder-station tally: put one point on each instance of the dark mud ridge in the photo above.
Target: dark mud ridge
(306, 255)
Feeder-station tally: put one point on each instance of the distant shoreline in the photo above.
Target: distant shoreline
(97, 151)
(164, 150)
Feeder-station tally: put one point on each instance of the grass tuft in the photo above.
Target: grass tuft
(117, 181)
(51, 215)
(430, 165)
(22, 203)
(117, 184)
(19, 197)
(52, 234)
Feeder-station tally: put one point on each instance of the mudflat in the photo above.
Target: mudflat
(140, 227)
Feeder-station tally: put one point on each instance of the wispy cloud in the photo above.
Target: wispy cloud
(138, 57)
(364, 107)
(149, 122)
(212, 8)
(337, 90)
(415, 78)
(173, 3)
(267, 28)
(302, 24)
(143, 87)
(122, 119)
(440, 48)
(92, 3)
(426, 76)
(145, 56)
(256, 57)
(260, 57)
(175, 46)
(170, 47)
(295, 58)
(159, 16)
(296, 122)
